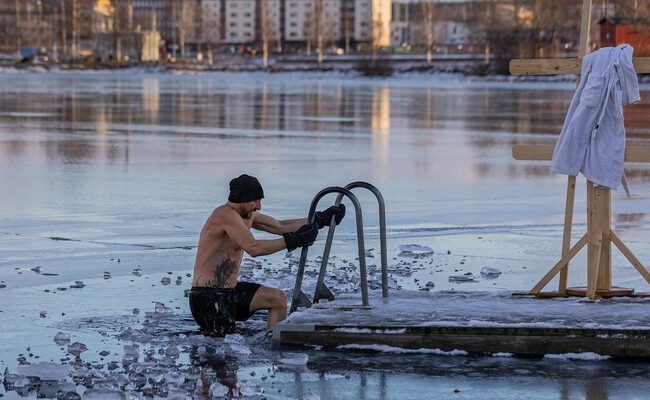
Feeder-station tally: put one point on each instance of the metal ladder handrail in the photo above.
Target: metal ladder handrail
(322, 291)
(298, 297)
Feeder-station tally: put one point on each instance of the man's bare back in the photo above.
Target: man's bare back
(217, 299)
(218, 257)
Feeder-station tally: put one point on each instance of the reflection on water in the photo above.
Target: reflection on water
(179, 133)
(76, 112)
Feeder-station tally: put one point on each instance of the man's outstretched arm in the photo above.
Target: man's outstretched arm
(271, 225)
(239, 233)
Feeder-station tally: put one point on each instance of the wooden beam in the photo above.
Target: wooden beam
(630, 256)
(560, 264)
(555, 66)
(544, 152)
(585, 25)
(593, 265)
(566, 236)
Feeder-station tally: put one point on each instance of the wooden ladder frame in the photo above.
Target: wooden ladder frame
(599, 235)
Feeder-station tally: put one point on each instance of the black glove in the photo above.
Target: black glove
(323, 218)
(304, 236)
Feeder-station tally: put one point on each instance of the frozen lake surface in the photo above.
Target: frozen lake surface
(107, 178)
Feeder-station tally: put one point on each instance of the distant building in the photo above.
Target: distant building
(615, 31)
(240, 17)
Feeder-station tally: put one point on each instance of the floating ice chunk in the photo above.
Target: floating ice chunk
(234, 338)
(77, 348)
(294, 359)
(172, 352)
(414, 251)
(21, 382)
(201, 350)
(161, 310)
(175, 379)
(249, 390)
(490, 273)
(42, 313)
(78, 285)
(137, 272)
(61, 338)
(463, 278)
(104, 394)
(45, 371)
(36, 269)
(177, 394)
(311, 396)
(131, 353)
(166, 280)
(9, 379)
(107, 275)
(241, 349)
(218, 390)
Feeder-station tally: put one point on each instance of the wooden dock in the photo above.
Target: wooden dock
(475, 323)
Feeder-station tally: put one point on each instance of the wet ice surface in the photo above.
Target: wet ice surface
(108, 178)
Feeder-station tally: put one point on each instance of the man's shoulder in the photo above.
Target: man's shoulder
(222, 211)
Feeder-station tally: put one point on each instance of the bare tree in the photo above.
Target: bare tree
(318, 16)
(18, 26)
(264, 27)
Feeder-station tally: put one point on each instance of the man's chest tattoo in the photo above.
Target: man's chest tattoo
(222, 273)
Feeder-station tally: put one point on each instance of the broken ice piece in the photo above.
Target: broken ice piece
(61, 338)
(136, 311)
(462, 278)
(137, 272)
(77, 348)
(46, 371)
(179, 280)
(430, 285)
(217, 390)
(294, 359)
(490, 273)
(9, 379)
(77, 285)
(103, 394)
(161, 308)
(165, 280)
(36, 269)
(107, 275)
(414, 251)
(131, 353)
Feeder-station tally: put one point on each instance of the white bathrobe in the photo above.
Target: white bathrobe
(592, 140)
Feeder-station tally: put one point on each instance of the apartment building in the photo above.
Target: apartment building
(294, 21)
(239, 21)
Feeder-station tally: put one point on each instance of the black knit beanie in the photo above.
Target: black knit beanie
(245, 188)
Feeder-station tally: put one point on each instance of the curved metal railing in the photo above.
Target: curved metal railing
(299, 299)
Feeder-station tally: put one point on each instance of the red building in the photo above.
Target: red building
(614, 31)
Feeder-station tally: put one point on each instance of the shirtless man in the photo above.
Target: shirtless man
(217, 299)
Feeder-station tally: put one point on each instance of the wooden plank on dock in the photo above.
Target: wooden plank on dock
(555, 66)
(525, 341)
(544, 152)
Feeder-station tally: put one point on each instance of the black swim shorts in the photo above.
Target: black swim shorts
(216, 309)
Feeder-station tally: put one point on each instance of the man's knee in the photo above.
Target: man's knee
(279, 298)
(268, 297)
